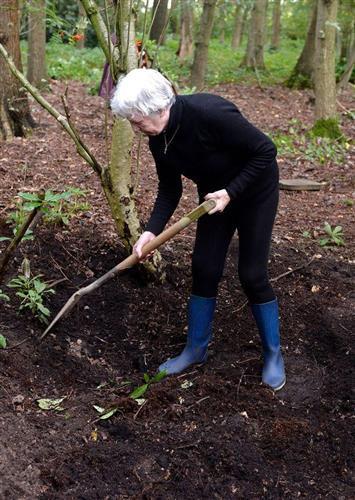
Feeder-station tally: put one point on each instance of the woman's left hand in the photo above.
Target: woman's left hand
(221, 198)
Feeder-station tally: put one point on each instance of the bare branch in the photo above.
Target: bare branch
(97, 167)
(80, 146)
(103, 36)
(18, 237)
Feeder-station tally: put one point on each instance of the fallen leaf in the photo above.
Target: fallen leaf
(51, 404)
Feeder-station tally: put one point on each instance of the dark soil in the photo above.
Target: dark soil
(222, 435)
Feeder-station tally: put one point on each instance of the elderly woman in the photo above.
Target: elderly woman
(205, 138)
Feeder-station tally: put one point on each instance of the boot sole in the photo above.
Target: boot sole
(278, 388)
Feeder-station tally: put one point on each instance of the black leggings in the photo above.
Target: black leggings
(254, 219)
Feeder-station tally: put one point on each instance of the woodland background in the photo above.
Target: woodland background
(82, 414)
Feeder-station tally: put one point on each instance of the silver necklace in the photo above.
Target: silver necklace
(167, 143)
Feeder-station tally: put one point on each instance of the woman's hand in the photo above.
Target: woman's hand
(145, 238)
(221, 198)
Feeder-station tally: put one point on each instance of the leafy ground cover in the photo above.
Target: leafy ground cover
(215, 431)
(64, 61)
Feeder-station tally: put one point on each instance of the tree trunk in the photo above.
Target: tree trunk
(116, 178)
(36, 62)
(237, 27)
(186, 30)
(347, 36)
(221, 9)
(15, 117)
(160, 13)
(276, 25)
(80, 44)
(254, 57)
(245, 21)
(302, 74)
(324, 70)
(201, 46)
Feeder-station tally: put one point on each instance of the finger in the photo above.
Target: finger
(138, 251)
(209, 196)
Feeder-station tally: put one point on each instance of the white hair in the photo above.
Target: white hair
(142, 92)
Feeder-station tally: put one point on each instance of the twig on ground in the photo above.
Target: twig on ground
(239, 383)
(241, 307)
(17, 345)
(293, 270)
(139, 409)
(189, 445)
(246, 361)
(197, 402)
(60, 269)
(56, 282)
(186, 374)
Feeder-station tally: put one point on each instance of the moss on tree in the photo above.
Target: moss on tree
(327, 127)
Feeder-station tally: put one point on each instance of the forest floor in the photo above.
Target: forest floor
(215, 431)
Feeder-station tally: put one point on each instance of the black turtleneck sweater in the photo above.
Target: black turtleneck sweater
(209, 141)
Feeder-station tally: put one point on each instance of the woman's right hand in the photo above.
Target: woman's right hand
(145, 238)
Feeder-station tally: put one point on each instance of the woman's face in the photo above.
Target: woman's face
(151, 125)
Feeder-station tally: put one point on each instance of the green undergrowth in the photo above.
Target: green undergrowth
(224, 64)
(298, 142)
(66, 62)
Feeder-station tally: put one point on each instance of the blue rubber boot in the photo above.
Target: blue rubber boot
(200, 318)
(267, 318)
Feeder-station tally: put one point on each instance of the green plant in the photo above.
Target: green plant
(3, 342)
(57, 208)
(3, 296)
(348, 202)
(62, 207)
(142, 389)
(334, 236)
(324, 150)
(31, 291)
(17, 219)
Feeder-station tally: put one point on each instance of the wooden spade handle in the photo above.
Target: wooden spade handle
(163, 237)
(171, 231)
(133, 259)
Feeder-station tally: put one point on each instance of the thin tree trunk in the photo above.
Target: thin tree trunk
(244, 22)
(36, 62)
(237, 27)
(116, 178)
(345, 77)
(324, 70)
(160, 13)
(186, 30)
(80, 44)
(347, 36)
(15, 116)
(302, 74)
(199, 64)
(254, 57)
(276, 25)
(222, 20)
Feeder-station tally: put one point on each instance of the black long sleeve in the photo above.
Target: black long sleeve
(209, 141)
(237, 134)
(168, 197)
